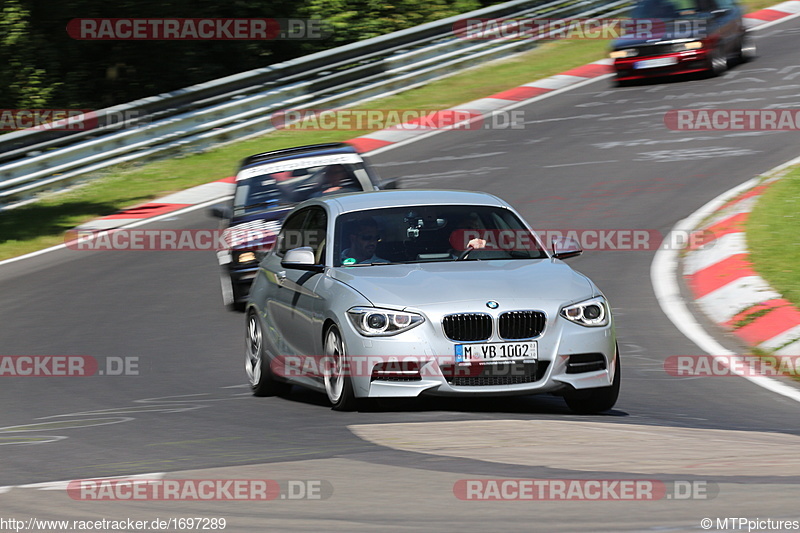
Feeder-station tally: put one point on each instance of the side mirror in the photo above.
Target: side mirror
(301, 259)
(564, 247)
(219, 211)
(391, 184)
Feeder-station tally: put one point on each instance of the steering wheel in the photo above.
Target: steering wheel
(463, 255)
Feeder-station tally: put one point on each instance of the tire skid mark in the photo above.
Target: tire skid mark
(63, 485)
(67, 424)
(130, 410)
(78, 420)
(29, 439)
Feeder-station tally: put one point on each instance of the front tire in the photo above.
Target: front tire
(338, 384)
(231, 297)
(259, 373)
(621, 83)
(747, 49)
(719, 62)
(593, 401)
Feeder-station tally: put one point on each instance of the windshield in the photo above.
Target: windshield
(282, 189)
(671, 9)
(432, 233)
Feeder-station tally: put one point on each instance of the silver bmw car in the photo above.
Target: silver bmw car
(401, 293)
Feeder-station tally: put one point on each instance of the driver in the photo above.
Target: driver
(465, 223)
(333, 178)
(363, 237)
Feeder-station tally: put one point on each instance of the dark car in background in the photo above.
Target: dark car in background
(688, 36)
(268, 186)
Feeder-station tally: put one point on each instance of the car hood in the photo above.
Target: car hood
(429, 284)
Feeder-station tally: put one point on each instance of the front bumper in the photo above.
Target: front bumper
(686, 62)
(563, 349)
(241, 279)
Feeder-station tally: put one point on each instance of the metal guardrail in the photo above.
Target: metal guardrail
(238, 106)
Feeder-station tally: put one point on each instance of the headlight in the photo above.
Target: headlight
(244, 257)
(590, 313)
(618, 54)
(375, 322)
(694, 45)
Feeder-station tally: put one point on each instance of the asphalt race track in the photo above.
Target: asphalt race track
(594, 157)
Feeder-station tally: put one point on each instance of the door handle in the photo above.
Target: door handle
(281, 276)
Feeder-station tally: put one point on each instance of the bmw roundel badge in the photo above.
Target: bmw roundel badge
(491, 304)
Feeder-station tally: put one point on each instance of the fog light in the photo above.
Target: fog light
(246, 257)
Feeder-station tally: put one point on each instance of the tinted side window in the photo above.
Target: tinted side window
(314, 230)
(707, 6)
(304, 228)
(287, 239)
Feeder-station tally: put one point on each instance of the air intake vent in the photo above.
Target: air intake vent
(521, 324)
(468, 327)
(585, 362)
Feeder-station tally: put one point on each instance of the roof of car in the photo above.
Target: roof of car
(343, 203)
(299, 151)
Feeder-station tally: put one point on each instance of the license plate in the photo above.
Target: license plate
(655, 63)
(496, 351)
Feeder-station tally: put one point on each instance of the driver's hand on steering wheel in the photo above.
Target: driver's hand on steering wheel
(476, 244)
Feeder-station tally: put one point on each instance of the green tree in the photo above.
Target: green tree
(42, 66)
(354, 20)
(24, 84)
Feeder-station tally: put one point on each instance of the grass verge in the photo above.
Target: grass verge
(774, 242)
(773, 237)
